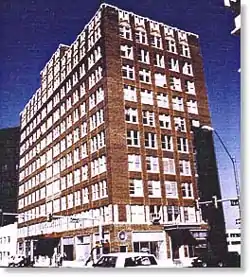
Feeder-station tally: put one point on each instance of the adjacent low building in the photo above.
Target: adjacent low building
(234, 240)
(8, 242)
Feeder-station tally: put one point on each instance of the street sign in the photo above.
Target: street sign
(234, 202)
(122, 236)
(237, 221)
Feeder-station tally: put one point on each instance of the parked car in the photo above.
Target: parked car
(232, 259)
(19, 261)
(128, 259)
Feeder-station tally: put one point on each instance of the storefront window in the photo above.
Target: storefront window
(150, 247)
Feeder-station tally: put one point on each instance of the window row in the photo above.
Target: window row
(143, 56)
(147, 97)
(149, 119)
(152, 165)
(72, 178)
(160, 79)
(136, 189)
(150, 141)
(155, 40)
(79, 132)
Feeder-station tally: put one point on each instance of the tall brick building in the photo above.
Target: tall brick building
(109, 135)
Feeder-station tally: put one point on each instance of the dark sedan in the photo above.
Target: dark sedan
(232, 259)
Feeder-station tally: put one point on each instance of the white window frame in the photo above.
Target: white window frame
(136, 188)
(150, 140)
(171, 189)
(133, 138)
(185, 168)
(154, 189)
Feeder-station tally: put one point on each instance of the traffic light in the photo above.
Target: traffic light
(215, 201)
(197, 205)
(49, 217)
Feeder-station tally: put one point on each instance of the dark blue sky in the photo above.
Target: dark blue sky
(31, 30)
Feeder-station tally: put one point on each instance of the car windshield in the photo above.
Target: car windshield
(140, 261)
(106, 261)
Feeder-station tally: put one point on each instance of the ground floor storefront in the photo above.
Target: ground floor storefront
(79, 245)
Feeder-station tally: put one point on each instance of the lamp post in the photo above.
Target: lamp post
(232, 159)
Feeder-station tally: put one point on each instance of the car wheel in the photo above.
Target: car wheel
(204, 264)
(220, 264)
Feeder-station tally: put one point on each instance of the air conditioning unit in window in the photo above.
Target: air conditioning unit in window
(155, 219)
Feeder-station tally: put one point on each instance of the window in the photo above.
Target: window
(141, 36)
(75, 115)
(168, 166)
(82, 90)
(103, 189)
(165, 121)
(84, 173)
(180, 124)
(178, 103)
(156, 41)
(150, 140)
(187, 69)
(63, 203)
(85, 196)
(98, 166)
(127, 51)
(148, 118)
(175, 83)
(134, 162)
(77, 198)
(185, 51)
(69, 180)
(70, 200)
(189, 87)
(182, 144)
(173, 64)
(96, 119)
(154, 189)
(152, 164)
(129, 93)
(82, 109)
(125, 32)
(145, 75)
(133, 138)
(136, 214)
(143, 56)
(159, 60)
(162, 100)
(171, 189)
(147, 97)
(192, 106)
(131, 115)
(173, 213)
(69, 140)
(187, 190)
(77, 176)
(128, 72)
(95, 192)
(171, 45)
(160, 80)
(184, 167)
(166, 142)
(135, 187)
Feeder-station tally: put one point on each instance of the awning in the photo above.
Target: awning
(45, 246)
(182, 237)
